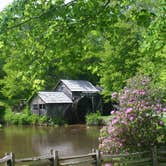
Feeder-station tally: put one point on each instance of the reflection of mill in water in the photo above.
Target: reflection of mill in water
(70, 140)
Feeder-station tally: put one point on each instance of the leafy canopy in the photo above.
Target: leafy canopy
(105, 42)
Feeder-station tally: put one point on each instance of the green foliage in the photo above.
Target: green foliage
(17, 118)
(164, 120)
(26, 118)
(102, 41)
(94, 119)
(57, 121)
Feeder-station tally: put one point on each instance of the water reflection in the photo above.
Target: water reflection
(29, 141)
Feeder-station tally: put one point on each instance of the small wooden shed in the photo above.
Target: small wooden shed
(51, 104)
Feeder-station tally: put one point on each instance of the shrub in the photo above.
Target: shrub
(94, 119)
(137, 124)
(33, 119)
(25, 117)
(43, 120)
(57, 121)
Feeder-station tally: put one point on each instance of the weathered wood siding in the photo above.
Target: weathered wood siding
(57, 110)
(63, 88)
(37, 101)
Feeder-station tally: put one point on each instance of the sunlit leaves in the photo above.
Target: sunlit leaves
(100, 41)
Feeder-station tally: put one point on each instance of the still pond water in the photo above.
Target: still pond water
(27, 141)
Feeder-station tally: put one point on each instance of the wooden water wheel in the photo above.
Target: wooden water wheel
(81, 107)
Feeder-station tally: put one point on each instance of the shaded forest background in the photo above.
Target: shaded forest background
(103, 41)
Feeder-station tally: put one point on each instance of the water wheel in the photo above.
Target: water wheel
(81, 107)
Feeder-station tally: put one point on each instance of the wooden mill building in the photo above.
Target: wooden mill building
(70, 100)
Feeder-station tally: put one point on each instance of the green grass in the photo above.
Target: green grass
(96, 119)
(164, 120)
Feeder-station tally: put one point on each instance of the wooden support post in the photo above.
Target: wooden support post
(93, 106)
(51, 160)
(98, 158)
(55, 158)
(154, 156)
(10, 162)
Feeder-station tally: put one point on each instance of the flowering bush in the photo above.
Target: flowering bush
(137, 123)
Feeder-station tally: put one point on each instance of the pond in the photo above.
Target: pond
(27, 141)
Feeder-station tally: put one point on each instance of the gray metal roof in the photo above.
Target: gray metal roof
(54, 97)
(80, 86)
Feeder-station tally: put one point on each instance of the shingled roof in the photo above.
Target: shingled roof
(80, 86)
(54, 97)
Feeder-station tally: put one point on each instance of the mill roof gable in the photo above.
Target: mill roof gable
(80, 86)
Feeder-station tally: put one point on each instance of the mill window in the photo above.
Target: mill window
(42, 106)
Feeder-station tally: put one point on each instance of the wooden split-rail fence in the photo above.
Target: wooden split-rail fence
(154, 157)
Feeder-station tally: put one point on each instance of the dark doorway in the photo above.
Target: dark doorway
(84, 106)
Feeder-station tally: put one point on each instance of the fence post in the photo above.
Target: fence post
(98, 158)
(54, 160)
(7, 163)
(13, 159)
(94, 157)
(10, 162)
(154, 156)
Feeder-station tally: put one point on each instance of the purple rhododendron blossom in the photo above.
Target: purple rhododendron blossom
(164, 109)
(108, 164)
(128, 110)
(115, 121)
(136, 123)
(131, 118)
(161, 123)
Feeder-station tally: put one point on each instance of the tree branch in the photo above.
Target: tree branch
(36, 17)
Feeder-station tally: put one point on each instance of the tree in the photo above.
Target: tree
(44, 43)
(101, 41)
(135, 44)
(153, 46)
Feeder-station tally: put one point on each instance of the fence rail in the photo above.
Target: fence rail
(5, 159)
(155, 157)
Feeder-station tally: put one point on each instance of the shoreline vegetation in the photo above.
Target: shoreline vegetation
(26, 118)
(96, 119)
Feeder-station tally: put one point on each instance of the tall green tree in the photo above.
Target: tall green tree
(135, 43)
(103, 41)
